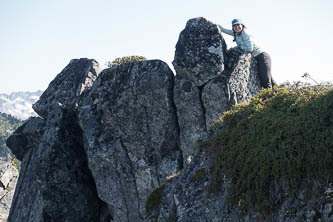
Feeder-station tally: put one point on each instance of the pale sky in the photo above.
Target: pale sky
(39, 37)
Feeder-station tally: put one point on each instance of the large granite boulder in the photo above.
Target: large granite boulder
(199, 51)
(191, 115)
(68, 85)
(26, 137)
(208, 82)
(131, 134)
(238, 83)
(55, 183)
(8, 180)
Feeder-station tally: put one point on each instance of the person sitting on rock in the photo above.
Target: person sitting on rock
(246, 43)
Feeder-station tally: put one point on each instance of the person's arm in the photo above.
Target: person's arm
(248, 42)
(226, 31)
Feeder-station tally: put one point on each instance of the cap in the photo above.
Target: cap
(236, 21)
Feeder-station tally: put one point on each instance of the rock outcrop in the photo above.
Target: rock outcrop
(209, 80)
(26, 137)
(107, 140)
(67, 87)
(55, 183)
(187, 198)
(8, 180)
(131, 134)
(200, 52)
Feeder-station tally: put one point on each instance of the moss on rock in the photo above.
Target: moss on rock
(154, 199)
(198, 176)
(282, 139)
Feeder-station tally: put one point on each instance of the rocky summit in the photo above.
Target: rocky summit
(66, 88)
(120, 144)
(131, 134)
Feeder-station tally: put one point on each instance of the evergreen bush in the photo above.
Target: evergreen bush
(281, 140)
(125, 59)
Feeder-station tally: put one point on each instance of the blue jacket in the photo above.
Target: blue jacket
(244, 41)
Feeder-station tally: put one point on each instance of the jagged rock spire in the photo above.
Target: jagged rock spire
(200, 51)
(209, 80)
(115, 136)
(65, 90)
(131, 134)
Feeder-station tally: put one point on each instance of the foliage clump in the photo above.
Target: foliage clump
(8, 124)
(154, 199)
(125, 59)
(281, 141)
(199, 175)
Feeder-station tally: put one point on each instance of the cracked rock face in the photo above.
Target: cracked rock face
(202, 95)
(68, 86)
(131, 134)
(26, 137)
(55, 183)
(8, 180)
(238, 83)
(200, 51)
(191, 115)
(186, 198)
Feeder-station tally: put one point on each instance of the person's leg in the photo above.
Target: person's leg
(264, 68)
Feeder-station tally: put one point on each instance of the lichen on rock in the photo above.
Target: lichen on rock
(108, 142)
(209, 80)
(131, 134)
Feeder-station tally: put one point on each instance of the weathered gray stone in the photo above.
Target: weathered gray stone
(203, 94)
(131, 134)
(191, 115)
(55, 183)
(185, 198)
(239, 83)
(199, 51)
(26, 137)
(68, 86)
(8, 180)
(4, 153)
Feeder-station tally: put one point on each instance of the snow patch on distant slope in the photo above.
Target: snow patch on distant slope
(19, 104)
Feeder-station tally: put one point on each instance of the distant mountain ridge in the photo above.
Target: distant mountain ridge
(19, 104)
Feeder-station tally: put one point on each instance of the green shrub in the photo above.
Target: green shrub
(8, 124)
(125, 59)
(282, 139)
(154, 199)
(199, 175)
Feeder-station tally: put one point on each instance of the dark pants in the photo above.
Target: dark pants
(264, 68)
